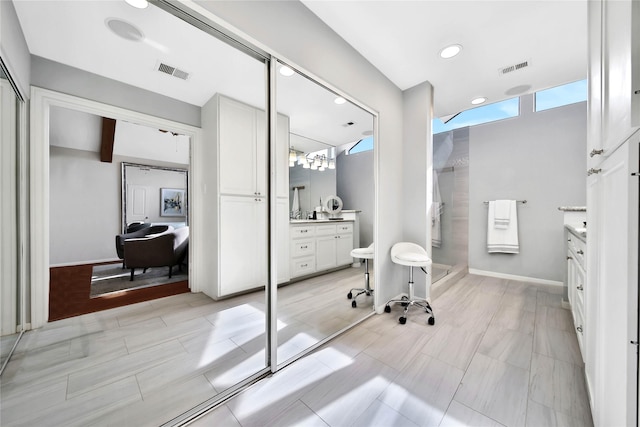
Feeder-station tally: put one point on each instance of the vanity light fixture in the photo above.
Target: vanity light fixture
(293, 156)
(450, 51)
(138, 4)
(332, 164)
(286, 71)
(339, 100)
(479, 100)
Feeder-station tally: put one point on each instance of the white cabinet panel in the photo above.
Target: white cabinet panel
(344, 245)
(283, 240)
(243, 247)
(612, 287)
(326, 252)
(238, 148)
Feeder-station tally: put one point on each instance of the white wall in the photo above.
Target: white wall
(336, 62)
(538, 157)
(13, 48)
(73, 81)
(417, 149)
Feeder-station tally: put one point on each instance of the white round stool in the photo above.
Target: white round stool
(410, 255)
(366, 254)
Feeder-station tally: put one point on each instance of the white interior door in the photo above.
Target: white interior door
(137, 208)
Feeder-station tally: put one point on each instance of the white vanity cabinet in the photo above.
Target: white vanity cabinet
(576, 275)
(320, 247)
(611, 292)
(235, 192)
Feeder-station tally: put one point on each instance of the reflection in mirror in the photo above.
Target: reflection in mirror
(88, 208)
(330, 193)
(10, 291)
(196, 344)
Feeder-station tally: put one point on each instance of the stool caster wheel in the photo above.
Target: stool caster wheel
(404, 304)
(349, 295)
(402, 320)
(353, 303)
(387, 309)
(432, 320)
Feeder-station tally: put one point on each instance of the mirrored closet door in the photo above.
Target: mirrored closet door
(326, 209)
(11, 297)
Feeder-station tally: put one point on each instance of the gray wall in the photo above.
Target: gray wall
(538, 157)
(13, 48)
(355, 181)
(63, 78)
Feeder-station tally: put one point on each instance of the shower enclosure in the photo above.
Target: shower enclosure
(450, 218)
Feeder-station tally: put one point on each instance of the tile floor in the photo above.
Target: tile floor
(502, 353)
(144, 364)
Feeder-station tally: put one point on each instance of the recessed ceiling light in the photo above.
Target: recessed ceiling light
(339, 100)
(479, 100)
(450, 51)
(124, 29)
(138, 4)
(286, 71)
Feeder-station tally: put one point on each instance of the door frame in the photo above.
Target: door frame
(41, 102)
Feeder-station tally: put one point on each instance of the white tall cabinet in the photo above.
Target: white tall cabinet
(611, 294)
(235, 194)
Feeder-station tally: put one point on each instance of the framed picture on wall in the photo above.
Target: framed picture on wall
(172, 202)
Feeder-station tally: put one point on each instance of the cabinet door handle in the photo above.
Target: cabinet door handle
(592, 171)
(303, 265)
(580, 252)
(569, 257)
(303, 247)
(595, 152)
(579, 328)
(580, 288)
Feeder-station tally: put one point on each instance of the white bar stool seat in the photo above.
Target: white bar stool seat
(366, 254)
(410, 255)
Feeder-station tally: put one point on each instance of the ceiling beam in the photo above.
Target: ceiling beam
(108, 135)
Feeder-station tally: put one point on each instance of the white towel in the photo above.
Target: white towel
(295, 206)
(502, 214)
(503, 240)
(436, 213)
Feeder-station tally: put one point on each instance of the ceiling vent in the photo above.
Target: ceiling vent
(512, 68)
(172, 71)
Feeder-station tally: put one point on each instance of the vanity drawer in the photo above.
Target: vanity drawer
(345, 228)
(302, 247)
(305, 231)
(303, 266)
(581, 250)
(326, 230)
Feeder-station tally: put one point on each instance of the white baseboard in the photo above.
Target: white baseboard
(515, 277)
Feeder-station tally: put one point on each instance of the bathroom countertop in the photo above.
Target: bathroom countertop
(573, 208)
(316, 221)
(580, 232)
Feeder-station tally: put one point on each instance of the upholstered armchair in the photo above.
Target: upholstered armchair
(140, 232)
(158, 250)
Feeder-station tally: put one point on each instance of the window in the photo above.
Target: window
(483, 114)
(364, 144)
(561, 95)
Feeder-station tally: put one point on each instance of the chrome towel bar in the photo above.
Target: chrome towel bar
(486, 202)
